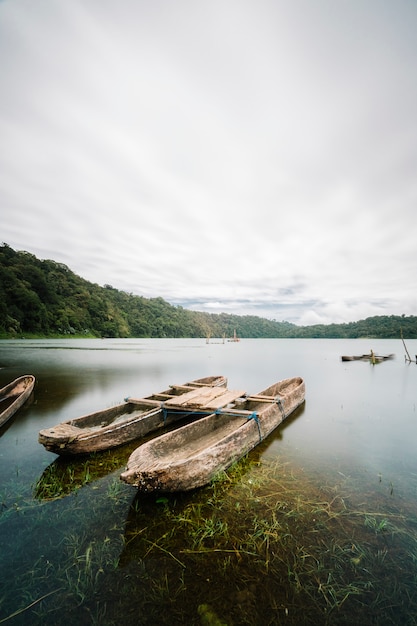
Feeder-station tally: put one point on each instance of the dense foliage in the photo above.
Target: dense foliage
(45, 298)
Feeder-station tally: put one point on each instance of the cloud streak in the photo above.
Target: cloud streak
(254, 158)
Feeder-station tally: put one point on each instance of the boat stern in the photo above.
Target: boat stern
(57, 438)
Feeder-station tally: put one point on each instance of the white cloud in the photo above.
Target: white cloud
(256, 158)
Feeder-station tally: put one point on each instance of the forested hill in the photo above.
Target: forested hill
(45, 298)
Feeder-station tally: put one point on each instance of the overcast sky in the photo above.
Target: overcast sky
(254, 157)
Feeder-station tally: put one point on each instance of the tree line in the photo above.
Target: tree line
(44, 298)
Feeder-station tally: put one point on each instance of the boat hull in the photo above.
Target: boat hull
(120, 424)
(374, 358)
(14, 395)
(191, 456)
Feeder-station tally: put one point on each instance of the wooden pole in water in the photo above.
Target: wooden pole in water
(405, 347)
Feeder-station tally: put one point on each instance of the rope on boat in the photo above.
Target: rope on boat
(281, 406)
(255, 417)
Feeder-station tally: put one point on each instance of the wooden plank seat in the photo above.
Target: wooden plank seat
(209, 398)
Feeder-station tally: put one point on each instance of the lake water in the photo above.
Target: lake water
(318, 525)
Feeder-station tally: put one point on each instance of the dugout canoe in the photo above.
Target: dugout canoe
(374, 358)
(127, 421)
(14, 395)
(192, 455)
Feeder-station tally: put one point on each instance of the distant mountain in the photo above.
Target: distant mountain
(45, 298)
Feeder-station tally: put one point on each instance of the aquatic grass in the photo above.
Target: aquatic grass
(71, 559)
(14, 497)
(85, 561)
(32, 604)
(115, 488)
(212, 529)
(378, 526)
(270, 542)
(321, 569)
(66, 475)
(153, 545)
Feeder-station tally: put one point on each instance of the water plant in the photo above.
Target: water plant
(266, 543)
(378, 526)
(64, 476)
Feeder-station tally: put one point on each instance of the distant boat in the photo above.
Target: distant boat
(374, 358)
(129, 420)
(234, 338)
(190, 456)
(361, 357)
(14, 395)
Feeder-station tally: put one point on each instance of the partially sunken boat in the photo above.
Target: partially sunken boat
(374, 358)
(129, 420)
(14, 395)
(192, 455)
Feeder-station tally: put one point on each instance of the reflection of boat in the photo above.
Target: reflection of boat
(14, 395)
(124, 422)
(191, 456)
(67, 474)
(374, 358)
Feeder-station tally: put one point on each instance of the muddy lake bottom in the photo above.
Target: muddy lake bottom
(317, 525)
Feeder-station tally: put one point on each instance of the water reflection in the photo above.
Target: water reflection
(66, 475)
(317, 525)
(25, 407)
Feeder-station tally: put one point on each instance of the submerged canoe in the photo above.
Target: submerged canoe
(124, 422)
(374, 358)
(192, 455)
(14, 395)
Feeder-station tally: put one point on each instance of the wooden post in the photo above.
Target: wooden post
(405, 347)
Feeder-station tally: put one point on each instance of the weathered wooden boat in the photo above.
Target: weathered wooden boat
(14, 395)
(124, 422)
(374, 358)
(192, 455)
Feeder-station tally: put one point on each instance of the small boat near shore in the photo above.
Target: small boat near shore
(190, 456)
(14, 395)
(132, 419)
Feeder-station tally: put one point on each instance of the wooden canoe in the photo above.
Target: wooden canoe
(192, 455)
(374, 358)
(14, 395)
(125, 422)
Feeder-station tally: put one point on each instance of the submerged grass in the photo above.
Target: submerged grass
(65, 475)
(284, 546)
(265, 543)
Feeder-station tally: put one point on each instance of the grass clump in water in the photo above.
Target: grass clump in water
(265, 543)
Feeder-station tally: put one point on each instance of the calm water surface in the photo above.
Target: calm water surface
(317, 526)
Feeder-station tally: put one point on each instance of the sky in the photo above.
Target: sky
(254, 157)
